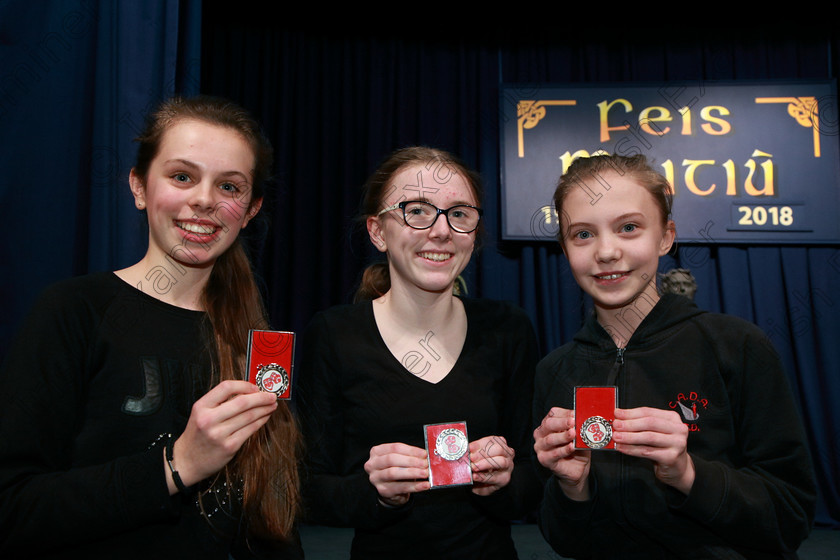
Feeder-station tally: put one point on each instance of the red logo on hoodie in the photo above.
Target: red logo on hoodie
(690, 405)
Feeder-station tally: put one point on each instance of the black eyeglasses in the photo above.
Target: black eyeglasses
(462, 218)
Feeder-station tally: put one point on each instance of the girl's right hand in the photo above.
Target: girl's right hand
(397, 470)
(219, 424)
(554, 443)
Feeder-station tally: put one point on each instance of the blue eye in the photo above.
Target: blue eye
(583, 235)
(181, 177)
(628, 228)
(229, 187)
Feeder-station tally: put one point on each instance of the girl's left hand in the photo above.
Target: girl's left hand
(492, 464)
(658, 435)
(218, 426)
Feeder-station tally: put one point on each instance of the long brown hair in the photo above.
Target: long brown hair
(265, 468)
(376, 279)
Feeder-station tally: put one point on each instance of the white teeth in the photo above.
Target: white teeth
(610, 277)
(438, 257)
(196, 228)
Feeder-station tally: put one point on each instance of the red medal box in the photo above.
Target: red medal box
(270, 359)
(594, 415)
(449, 454)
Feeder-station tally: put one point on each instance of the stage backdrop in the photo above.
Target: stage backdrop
(77, 76)
(76, 79)
(750, 162)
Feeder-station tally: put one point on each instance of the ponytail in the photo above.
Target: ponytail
(265, 467)
(376, 280)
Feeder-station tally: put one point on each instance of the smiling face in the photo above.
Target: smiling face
(196, 192)
(430, 259)
(613, 248)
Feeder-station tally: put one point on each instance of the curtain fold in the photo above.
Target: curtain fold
(76, 79)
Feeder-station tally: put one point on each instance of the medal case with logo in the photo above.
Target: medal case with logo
(594, 415)
(449, 454)
(270, 360)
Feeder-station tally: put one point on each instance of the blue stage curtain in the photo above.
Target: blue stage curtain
(336, 103)
(76, 78)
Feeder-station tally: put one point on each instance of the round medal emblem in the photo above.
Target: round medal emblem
(596, 432)
(273, 379)
(451, 444)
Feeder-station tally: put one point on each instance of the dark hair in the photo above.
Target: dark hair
(265, 468)
(593, 167)
(376, 279)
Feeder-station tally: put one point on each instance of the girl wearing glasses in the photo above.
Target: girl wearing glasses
(410, 353)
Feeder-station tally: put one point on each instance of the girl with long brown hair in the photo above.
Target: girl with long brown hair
(128, 428)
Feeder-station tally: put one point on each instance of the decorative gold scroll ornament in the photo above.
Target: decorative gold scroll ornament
(530, 112)
(806, 112)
